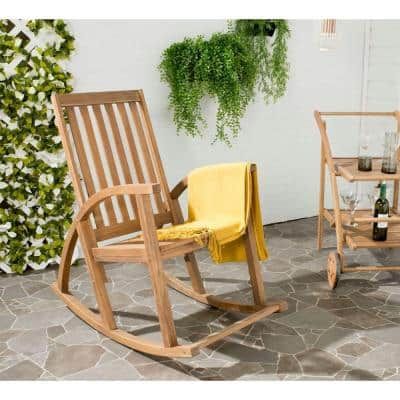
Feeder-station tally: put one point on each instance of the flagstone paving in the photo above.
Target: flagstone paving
(352, 333)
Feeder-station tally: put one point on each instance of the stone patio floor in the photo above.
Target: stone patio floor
(351, 333)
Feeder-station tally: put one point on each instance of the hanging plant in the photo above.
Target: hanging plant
(35, 191)
(221, 67)
(226, 67)
(268, 41)
(255, 27)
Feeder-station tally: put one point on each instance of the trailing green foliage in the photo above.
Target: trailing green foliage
(226, 67)
(35, 191)
(221, 67)
(270, 53)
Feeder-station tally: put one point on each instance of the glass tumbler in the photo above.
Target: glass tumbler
(364, 155)
(389, 160)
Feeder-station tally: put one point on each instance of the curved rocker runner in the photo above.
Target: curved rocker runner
(143, 206)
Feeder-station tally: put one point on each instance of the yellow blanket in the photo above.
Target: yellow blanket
(220, 200)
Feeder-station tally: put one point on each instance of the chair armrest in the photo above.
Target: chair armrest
(182, 185)
(119, 190)
(179, 188)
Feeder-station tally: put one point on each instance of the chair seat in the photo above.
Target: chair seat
(133, 249)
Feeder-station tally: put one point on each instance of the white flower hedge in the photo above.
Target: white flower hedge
(36, 196)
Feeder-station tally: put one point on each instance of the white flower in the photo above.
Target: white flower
(18, 95)
(37, 253)
(53, 160)
(4, 239)
(50, 206)
(31, 202)
(31, 90)
(2, 77)
(20, 164)
(46, 179)
(19, 153)
(56, 192)
(5, 227)
(41, 96)
(58, 84)
(26, 210)
(12, 234)
(3, 185)
(27, 170)
(12, 126)
(39, 230)
(36, 242)
(22, 111)
(32, 141)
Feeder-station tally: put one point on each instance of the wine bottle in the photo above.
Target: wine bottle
(381, 210)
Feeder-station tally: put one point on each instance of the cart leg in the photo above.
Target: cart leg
(320, 228)
(395, 204)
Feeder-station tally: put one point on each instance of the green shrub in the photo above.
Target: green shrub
(36, 197)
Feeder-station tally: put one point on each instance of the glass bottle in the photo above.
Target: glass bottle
(389, 160)
(379, 230)
(364, 155)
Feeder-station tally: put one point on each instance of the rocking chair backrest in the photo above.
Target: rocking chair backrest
(108, 140)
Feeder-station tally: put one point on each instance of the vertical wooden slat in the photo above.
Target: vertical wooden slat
(110, 159)
(132, 145)
(154, 151)
(117, 134)
(69, 155)
(146, 154)
(97, 161)
(82, 157)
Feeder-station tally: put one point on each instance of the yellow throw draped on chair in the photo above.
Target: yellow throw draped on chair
(220, 200)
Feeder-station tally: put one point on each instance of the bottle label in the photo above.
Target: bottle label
(383, 224)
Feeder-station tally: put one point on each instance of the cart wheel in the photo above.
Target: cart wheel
(333, 269)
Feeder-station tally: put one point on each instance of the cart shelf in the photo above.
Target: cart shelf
(348, 169)
(361, 236)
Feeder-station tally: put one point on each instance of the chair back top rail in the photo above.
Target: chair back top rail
(90, 98)
(108, 140)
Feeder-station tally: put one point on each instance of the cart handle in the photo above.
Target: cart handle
(392, 219)
(358, 113)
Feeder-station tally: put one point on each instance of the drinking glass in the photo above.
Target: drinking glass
(351, 197)
(364, 155)
(389, 160)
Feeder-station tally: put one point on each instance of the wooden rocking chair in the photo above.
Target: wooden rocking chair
(98, 132)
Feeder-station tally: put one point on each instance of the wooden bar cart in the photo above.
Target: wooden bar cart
(361, 235)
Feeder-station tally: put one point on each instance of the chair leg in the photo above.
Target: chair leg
(66, 259)
(160, 288)
(194, 273)
(88, 242)
(254, 265)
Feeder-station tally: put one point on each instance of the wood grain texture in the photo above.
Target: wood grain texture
(359, 236)
(108, 126)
